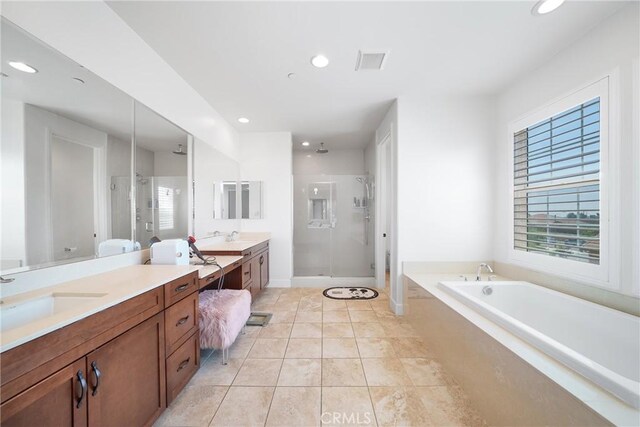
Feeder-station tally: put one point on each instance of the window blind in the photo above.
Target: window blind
(165, 208)
(557, 185)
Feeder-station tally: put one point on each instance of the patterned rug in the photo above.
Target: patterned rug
(350, 292)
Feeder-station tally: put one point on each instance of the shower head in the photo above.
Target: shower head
(322, 150)
(179, 151)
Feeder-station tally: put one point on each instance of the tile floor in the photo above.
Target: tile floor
(322, 362)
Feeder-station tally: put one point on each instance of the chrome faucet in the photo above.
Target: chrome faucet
(231, 236)
(3, 280)
(216, 233)
(480, 267)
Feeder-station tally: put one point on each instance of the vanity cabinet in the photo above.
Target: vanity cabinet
(60, 401)
(118, 367)
(254, 275)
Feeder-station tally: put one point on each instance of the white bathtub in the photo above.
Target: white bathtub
(599, 343)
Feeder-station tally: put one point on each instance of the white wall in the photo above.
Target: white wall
(266, 157)
(611, 49)
(165, 163)
(335, 162)
(93, 35)
(210, 167)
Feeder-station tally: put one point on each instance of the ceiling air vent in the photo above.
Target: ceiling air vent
(370, 60)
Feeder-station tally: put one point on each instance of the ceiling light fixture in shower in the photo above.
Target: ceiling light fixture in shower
(322, 150)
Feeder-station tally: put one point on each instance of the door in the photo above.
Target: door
(126, 377)
(58, 401)
(73, 200)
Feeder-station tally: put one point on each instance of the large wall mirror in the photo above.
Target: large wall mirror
(67, 178)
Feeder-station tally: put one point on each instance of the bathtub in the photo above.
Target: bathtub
(599, 343)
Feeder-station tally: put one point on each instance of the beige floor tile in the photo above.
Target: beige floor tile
(212, 372)
(309, 317)
(363, 316)
(336, 316)
(239, 349)
(375, 347)
(332, 304)
(347, 406)
(399, 406)
(342, 372)
(358, 305)
(258, 372)
(251, 331)
(368, 330)
(380, 305)
(286, 305)
(263, 307)
(385, 372)
(304, 348)
(446, 406)
(283, 317)
(300, 372)
(341, 348)
(410, 347)
(295, 407)
(276, 330)
(268, 348)
(310, 304)
(306, 330)
(384, 314)
(423, 372)
(337, 330)
(244, 406)
(398, 329)
(195, 406)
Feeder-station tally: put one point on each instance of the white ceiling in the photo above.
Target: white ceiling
(237, 55)
(95, 103)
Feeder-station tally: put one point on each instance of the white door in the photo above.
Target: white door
(72, 199)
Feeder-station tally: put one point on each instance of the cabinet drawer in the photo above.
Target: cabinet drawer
(246, 273)
(181, 320)
(178, 289)
(181, 366)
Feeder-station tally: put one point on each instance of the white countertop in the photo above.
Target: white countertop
(243, 242)
(223, 260)
(590, 394)
(117, 286)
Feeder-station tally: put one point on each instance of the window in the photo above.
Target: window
(557, 185)
(165, 208)
(559, 170)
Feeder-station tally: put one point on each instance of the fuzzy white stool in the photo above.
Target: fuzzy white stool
(223, 315)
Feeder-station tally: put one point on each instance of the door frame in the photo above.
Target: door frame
(383, 198)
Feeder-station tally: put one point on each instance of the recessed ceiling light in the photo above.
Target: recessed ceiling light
(320, 61)
(305, 144)
(243, 120)
(21, 66)
(309, 155)
(291, 76)
(545, 6)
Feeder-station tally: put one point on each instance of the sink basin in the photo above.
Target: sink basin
(14, 315)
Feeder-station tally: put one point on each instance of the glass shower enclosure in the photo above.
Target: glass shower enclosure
(333, 226)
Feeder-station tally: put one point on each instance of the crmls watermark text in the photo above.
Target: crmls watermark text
(363, 418)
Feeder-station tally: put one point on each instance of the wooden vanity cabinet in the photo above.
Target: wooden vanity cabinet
(254, 275)
(57, 401)
(108, 369)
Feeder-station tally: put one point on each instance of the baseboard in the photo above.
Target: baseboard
(325, 281)
(397, 308)
(279, 283)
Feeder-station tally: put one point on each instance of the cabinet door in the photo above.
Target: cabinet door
(264, 269)
(59, 400)
(126, 377)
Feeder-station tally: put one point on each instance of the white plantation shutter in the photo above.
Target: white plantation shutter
(557, 185)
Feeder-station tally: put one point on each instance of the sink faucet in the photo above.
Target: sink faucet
(3, 280)
(232, 235)
(480, 267)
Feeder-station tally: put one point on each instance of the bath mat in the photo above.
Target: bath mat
(350, 292)
(259, 319)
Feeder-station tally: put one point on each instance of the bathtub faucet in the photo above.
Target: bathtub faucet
(480, 267)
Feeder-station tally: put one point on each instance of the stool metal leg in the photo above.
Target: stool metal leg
(244, 330)
(225, 356)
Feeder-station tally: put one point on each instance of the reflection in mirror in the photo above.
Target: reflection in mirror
(161, 185)
(251, 199)
(227, 194)
(321, 199)
(65, 159)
